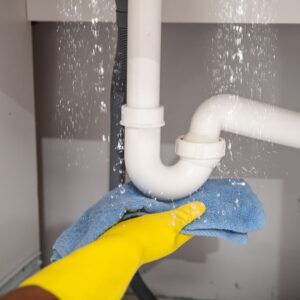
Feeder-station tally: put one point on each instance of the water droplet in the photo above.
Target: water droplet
(122, 190)
(173, 215)
(103, 107)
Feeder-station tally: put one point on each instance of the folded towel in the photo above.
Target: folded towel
(232, 210)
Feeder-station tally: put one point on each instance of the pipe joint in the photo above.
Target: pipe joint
(142, 117)
(201, 148)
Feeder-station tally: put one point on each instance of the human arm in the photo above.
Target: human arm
(104, 268)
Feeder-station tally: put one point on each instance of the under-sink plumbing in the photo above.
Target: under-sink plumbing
(202, 148)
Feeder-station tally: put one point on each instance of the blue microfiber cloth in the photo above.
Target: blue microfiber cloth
(232, 211)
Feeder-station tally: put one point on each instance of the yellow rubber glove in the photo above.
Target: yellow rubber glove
(104, 268)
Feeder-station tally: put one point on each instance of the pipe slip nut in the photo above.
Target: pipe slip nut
(142, 117)
(201, 149)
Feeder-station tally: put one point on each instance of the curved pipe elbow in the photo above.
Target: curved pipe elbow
(246, 117)
(207, 119)
(150, 175)
(216, 113)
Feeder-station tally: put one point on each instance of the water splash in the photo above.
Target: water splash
(121, 189)
(85, 54)
(244, 57)
(87, 10)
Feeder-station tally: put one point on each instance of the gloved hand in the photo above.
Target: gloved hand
(104, 268)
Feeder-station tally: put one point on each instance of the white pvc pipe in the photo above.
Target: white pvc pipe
(246, 117)
(144, 46)
(142, 117)
(150, 175)
(142, 146)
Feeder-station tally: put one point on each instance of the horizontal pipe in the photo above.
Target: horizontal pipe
(248, 118)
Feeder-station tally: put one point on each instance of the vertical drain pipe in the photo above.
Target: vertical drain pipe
(118, 98)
